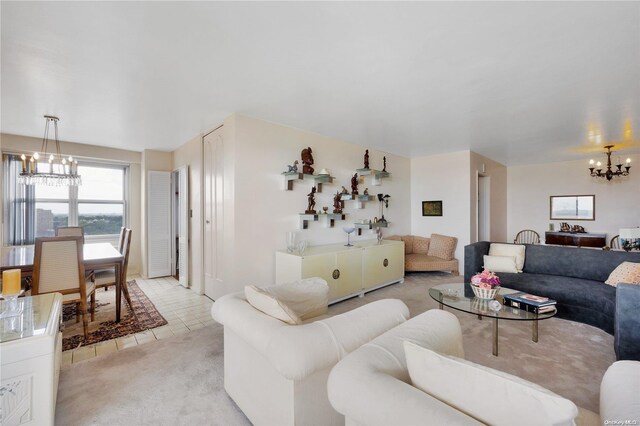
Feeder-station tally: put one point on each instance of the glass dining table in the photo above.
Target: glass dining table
(95, 256)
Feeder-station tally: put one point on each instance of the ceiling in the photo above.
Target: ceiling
(518, 82)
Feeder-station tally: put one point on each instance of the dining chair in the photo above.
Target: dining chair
(120, 242)
(107, 277)
(70, 231)
(58, 267)
(527, 236)
(615, 242)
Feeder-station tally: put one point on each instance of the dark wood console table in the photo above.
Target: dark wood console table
(577, 239)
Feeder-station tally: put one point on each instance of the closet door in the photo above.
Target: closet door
(183, 225)
(158, 224)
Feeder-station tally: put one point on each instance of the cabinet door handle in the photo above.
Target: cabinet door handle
(385, 263)
(336, 274)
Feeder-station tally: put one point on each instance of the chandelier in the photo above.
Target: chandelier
(597, 171)
(59, 172)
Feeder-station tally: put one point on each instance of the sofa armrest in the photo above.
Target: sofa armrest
(627, 322)
(299, 351)
(474, 258)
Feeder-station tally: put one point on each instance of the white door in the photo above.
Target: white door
(213, 213)
(183, 225)
(158, 224)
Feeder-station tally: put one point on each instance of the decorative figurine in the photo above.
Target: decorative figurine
(293, 168)
(578, 229)
(307, 161)
(312, 201)
(325, 209)
(337, 203)
(344, 190)
(354, 184)
(366, 159)
(564, 227)
(384, 164)
(366, 191)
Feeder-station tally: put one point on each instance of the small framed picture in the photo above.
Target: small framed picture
(432, 208)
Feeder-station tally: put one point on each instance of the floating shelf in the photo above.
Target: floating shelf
(331, 218)
(290, 177)
(376, 173)
(361, 226)
(305, 218)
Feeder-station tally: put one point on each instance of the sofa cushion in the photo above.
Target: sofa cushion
(420, 245)
(268, 304)
(307, 298)
(408, 244)
(500, 264)
(473, 389)
(517, 250)
(574, 262)
(626, 272)
(620, 392)
(442, 246)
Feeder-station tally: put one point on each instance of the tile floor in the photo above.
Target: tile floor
(183, 309)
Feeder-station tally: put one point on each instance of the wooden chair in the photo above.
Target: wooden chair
(120, 249)
(70, 231)
(106, 277)
(527, 236)
(58, 267)
(615, 243)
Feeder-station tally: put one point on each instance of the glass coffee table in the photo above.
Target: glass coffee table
(453, 296)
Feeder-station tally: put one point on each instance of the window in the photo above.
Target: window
(99, 204)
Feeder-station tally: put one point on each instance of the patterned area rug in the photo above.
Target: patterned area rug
(143, 317)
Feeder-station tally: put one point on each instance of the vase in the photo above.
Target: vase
(485, 293)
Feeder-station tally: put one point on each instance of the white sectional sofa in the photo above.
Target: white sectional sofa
(372, 386)
(277, 373)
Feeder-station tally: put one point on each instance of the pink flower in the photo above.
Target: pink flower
(485, 279)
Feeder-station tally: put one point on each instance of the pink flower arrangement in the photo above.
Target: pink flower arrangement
(485, 279)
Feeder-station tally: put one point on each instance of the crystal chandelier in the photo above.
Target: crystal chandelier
(60, 171)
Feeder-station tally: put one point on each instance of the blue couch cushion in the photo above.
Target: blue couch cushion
(588, 294)
(588, 264)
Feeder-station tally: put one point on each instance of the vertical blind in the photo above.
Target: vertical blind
(19, 204)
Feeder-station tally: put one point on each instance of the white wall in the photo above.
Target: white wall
(497, 197)
(264, 211)
(617, 201)
(443, 177)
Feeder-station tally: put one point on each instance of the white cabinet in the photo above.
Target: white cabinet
(349, 271)
(31, 351)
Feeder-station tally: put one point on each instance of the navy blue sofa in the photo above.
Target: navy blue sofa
(575, 278)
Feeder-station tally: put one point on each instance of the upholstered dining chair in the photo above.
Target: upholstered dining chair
(120, 249)
(615, 242)
(527, 236)
(107, 277)
(58, 267)
(70, 231)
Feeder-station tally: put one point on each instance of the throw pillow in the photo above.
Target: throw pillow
(626, 272)
(500, 264)
(517, 250)
(474, 389)
(266, 303)
(442, 246)
(420, 245)
(408, 244)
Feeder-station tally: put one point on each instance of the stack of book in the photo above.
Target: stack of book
(530, 302)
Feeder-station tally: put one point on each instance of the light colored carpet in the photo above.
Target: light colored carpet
(180, 380)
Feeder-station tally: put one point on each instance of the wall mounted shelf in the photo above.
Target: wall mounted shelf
(290, 177)
(378, 174)
(331, 218)
(361, 226)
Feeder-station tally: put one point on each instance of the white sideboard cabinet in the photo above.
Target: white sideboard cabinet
(349, 271)
(30, 351)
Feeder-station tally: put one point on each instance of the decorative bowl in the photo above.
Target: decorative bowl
(485, 293)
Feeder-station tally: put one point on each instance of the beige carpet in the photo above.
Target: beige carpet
(180, 380)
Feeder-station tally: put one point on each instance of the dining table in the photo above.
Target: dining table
(95, 256)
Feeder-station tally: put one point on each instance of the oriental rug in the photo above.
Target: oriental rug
(143, 316)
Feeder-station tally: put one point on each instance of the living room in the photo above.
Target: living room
(283, 131)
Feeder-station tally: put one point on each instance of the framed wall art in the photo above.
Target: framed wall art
(432, 208)
(572, 207)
